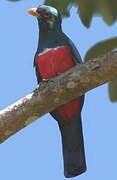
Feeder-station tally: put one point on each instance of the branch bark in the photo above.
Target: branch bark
(57, 91)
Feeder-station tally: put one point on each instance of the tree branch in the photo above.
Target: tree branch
(57, 91)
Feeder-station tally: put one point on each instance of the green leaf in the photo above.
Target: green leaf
(85, 11)
(113, 90)
(101, 48)
(108, 10)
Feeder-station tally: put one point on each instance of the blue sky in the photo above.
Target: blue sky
(35, 152)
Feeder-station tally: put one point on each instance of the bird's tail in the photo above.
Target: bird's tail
(73, 147)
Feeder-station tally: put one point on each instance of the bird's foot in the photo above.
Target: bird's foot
(45, 80)
(41, 83)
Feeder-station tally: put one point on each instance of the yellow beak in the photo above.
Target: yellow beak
(33, 11)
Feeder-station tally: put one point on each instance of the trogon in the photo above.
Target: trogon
(55, 54)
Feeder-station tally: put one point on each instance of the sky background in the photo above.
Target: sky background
(35, 152)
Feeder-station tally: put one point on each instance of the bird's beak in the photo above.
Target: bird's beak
(33, 11)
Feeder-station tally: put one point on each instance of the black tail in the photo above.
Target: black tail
(73, 147)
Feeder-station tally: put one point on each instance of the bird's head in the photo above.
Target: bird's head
(49, 18)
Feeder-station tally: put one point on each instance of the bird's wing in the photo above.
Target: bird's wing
(39, 79)
(74, 52)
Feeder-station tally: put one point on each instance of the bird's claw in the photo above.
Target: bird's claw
(45, 80)
(40, 84)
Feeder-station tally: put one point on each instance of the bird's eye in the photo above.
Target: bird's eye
(47, 14)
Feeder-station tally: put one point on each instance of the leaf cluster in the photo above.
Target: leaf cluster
(88, 8)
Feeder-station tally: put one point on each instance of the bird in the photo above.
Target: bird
(55, 54)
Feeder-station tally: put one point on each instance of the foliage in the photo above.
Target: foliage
(101, 49)
(88, 8)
